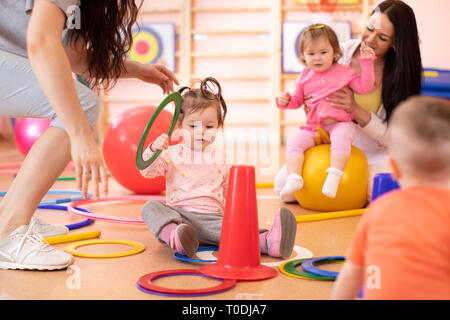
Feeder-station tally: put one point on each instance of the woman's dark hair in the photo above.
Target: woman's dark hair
(209, 93)
(402, 75)
(106, 32)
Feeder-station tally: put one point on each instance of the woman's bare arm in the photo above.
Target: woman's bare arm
(52, 68)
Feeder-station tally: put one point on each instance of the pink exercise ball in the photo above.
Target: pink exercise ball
(121, 142)
(27, 131)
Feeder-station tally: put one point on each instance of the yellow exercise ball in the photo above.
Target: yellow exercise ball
(352, 190)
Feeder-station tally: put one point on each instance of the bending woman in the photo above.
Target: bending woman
(392, 33)
(37, 57)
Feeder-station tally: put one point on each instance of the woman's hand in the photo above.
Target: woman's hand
(153, 73)
(343, 99)
(89, 165)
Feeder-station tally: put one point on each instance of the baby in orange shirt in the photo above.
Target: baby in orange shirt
(401, 249)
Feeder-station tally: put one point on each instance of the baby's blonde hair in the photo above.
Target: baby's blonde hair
(315, 31)
(420, 137)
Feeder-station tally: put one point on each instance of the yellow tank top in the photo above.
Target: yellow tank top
(370, 102)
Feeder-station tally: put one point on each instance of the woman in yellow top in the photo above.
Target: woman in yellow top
(392, 33)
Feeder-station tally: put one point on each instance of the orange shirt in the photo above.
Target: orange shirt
(403, 244)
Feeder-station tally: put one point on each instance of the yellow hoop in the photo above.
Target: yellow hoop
(330, 215)
(73, 237)
(264, 185)
(311, 277)
(281, 267)
(137, 247)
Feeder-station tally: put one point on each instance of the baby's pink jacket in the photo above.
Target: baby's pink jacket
(195, 181)
(320, 85)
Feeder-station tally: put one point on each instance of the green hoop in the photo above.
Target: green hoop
(290, 268)
(175, 97)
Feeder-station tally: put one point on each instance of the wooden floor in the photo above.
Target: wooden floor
(115, 278)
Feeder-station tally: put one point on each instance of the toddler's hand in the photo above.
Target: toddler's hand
(284, 98)
(306, 107)
(366, 51)
(161, 143)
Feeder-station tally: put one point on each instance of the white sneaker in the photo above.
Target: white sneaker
(27, 251)
(45, 229)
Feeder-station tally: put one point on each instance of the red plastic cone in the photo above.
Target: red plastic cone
(239, 253)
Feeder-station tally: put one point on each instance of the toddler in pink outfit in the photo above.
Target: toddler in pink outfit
(320, 51)
(197, 179)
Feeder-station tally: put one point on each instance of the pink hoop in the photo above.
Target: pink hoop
(72, 208)
(10, 165)
(145, 283)
(7, 172)
(12, 168)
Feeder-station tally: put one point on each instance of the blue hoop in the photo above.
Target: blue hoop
(61, 200)
(72, 226)
(200, 249)
(309, 266)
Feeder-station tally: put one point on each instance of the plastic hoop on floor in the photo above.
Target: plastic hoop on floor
(181, 257)
(60, 200)
(301, 252)
(73, 207)
(309, 266)
(66, 179)
(329, 215)
(145, 284)
(206, 256)
(72, 226)
(137, 248)
(264, 185)
(10, 165)
(12, 168)
(8, 172)
(73, 237)
(71, 178)
(65, 200)
(175, 97)
(290, 268)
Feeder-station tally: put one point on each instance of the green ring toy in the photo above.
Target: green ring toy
(175, 97)
(290, 268)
